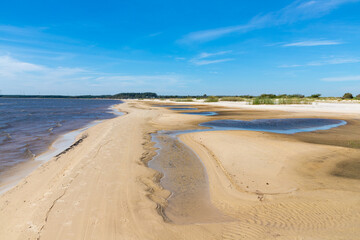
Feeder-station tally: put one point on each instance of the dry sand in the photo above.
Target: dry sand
(269, 186)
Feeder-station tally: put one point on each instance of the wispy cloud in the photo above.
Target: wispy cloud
(203, 58)
(331, 61)
(32, 36)
(155, 34)
(334, 61)
(312, 43)
(10, 66)
(207, 55)
(341, 79)
(16, 75)
(207, 62)
(299, 10)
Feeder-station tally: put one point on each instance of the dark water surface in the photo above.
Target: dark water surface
(285, 126)
(202, 113)
(29, 126)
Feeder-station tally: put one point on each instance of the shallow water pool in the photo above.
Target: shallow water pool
(284, 126)
(202, 113)
(182, 109)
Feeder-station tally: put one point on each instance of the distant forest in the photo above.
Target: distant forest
(151, 95)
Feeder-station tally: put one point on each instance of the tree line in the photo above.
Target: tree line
(151, 95)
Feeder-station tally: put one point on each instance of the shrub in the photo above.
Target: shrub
(296, 96)
(212, 99)
(315, 95)
(348, 96)
(267, 96)
(358, 96)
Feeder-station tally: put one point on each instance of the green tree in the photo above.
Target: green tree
(348, 96)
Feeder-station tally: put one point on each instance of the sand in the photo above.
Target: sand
(268, 186)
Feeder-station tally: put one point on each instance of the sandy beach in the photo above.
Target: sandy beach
(247, 185)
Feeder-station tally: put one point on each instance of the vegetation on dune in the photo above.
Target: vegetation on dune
(262, 101)
(315, 95)
(294, 101)
(232, 99)
(184, 100)
(212, 99)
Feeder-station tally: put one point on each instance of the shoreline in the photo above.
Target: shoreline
(103, 188)
(63, 142)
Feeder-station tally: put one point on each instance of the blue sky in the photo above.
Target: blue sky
(180, 47)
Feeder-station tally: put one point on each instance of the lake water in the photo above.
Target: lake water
(29, 126)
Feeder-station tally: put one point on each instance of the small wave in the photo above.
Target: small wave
(29, 154)
(8, 136)
(58, 124)
(50, 130)
(4, 126)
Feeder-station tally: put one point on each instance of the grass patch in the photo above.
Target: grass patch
(347, 169)
(263, 101)
(294, 101)
(281, 101)
(353, 144)
(232, 99)
(184, 100)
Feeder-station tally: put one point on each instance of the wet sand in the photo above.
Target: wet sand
(256, 185)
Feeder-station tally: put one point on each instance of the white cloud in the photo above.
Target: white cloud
(207, 55)
(290, 66)
(297, 11)
(207, 62)
(334, 61)
(312, 43)
(9, 66)
(203, 58)
(331, 61)
(341, 79)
